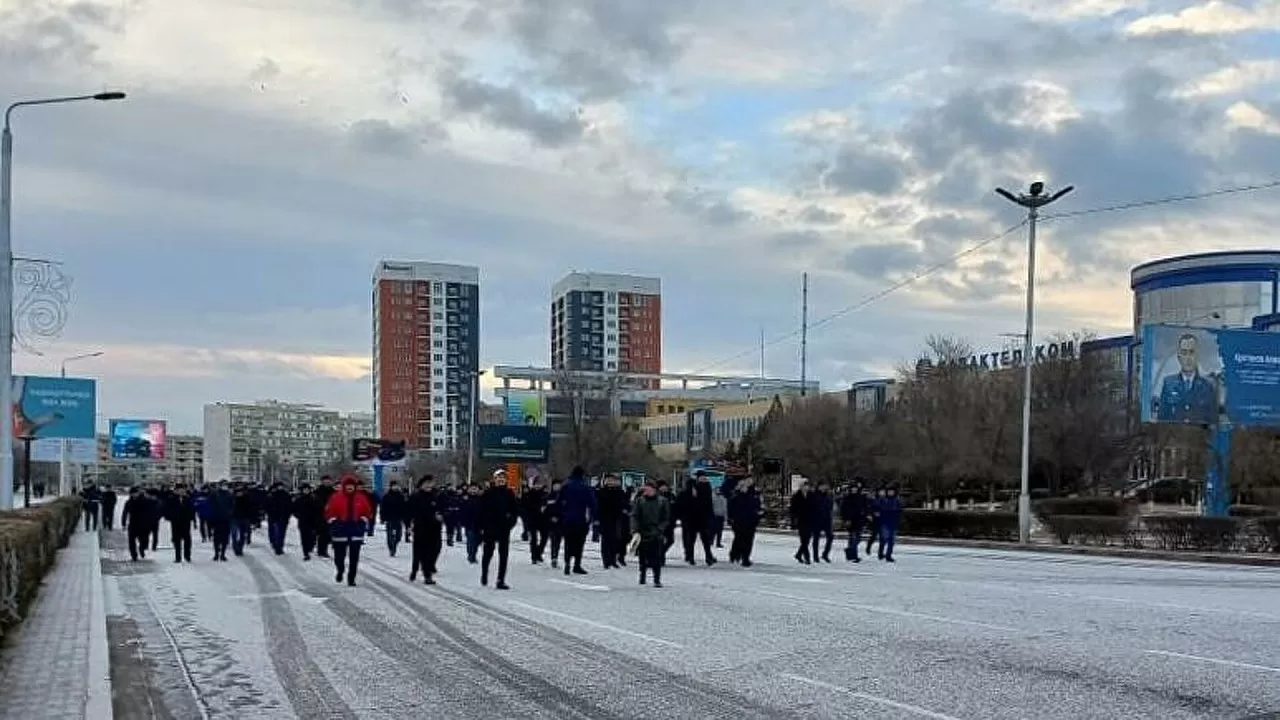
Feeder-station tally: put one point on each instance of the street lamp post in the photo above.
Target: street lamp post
(64, 459)
(6, 285)
(1032, 200)
(475, 411)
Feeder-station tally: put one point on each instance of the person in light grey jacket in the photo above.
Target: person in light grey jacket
(720, 508)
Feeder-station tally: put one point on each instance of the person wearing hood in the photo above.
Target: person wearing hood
(426, 509)
(279, 507)
(577, 505)
(347, 515)
(394, 514)
(497, 511)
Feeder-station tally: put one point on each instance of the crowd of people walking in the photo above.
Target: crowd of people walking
(335, 519)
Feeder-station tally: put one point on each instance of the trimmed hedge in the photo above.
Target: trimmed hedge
(29, 540)
(1253, 511)
(960, 524)
(1194, 532)
(1268, 534)
(1081, 506)
(1092, 529)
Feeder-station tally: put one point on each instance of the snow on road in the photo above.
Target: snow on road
(945, 633)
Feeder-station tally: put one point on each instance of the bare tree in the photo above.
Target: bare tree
(587, 431)
(816, 436)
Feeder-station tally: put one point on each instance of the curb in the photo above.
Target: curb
(1086, 550)
(98, 702)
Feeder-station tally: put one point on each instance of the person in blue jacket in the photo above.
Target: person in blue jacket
(577, 505)
(468, 517)
(889, 511)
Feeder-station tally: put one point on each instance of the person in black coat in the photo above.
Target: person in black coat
(157, 496)
(279, 508)
(669, 536)
(221, 514)
(551, 524)
(532, 502)
(306, 510)
(323, 493)
(180, 511)
(394, 514)
(243, 512)
(426, 508)
(612, 512)
(821, 518)
(694, 507)
(92, 503)
(854, 509)
(745, 511)
(497, 513)
(800, 517)
(109, 509)
(137, 521)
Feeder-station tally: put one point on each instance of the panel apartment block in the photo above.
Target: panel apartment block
(607, 322)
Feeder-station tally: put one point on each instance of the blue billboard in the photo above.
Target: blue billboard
(54, 407)
(1203, 376)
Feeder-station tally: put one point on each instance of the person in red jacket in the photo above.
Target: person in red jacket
(348, 515)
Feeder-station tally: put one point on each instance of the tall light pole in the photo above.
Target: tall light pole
(64, 460)
(1032, 200)
(6, 285)
(475, 411)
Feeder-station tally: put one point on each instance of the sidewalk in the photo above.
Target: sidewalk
(55, 667)
(1052, 548)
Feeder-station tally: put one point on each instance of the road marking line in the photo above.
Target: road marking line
(808, 580)
(1213, 661)
(601, 626)
(889, 611)
(580, 586)
(886, 702)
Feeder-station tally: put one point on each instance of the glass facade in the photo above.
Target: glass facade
(1218, 304)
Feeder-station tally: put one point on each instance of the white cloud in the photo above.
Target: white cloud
(1233, 79)
(1211, 18)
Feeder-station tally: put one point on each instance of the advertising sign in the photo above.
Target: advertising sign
(1204, 376)
(378, 451)
(82, 451)
(514, 443)
(524, 407)
(53, 407)
(138, 439)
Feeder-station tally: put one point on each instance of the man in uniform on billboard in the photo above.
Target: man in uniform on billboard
(1188, 397)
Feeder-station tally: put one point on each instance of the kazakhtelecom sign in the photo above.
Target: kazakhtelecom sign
(515, 443)
(1003, 359)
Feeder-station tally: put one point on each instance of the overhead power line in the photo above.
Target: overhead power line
(889, 290)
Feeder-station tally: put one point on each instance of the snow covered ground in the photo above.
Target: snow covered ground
(944, 633)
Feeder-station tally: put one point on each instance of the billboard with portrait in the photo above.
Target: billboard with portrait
(525, 407)
(138, 439)
(53, 407)
(1203, 376)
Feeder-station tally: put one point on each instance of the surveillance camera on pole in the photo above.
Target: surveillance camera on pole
(1032, 200)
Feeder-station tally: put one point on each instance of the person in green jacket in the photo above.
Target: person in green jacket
(650, 518)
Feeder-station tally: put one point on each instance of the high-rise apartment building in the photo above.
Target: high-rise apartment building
(606, 322)
(426, 351)
(276, 440)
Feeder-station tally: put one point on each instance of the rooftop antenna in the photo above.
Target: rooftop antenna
(762, 375)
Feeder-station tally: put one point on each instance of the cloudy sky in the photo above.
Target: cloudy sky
(221, 226)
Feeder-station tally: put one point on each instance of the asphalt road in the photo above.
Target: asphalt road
(943, 633)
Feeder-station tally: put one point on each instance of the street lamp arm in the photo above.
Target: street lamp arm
(1009, 196)
(8, 111)
(1060, 193)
